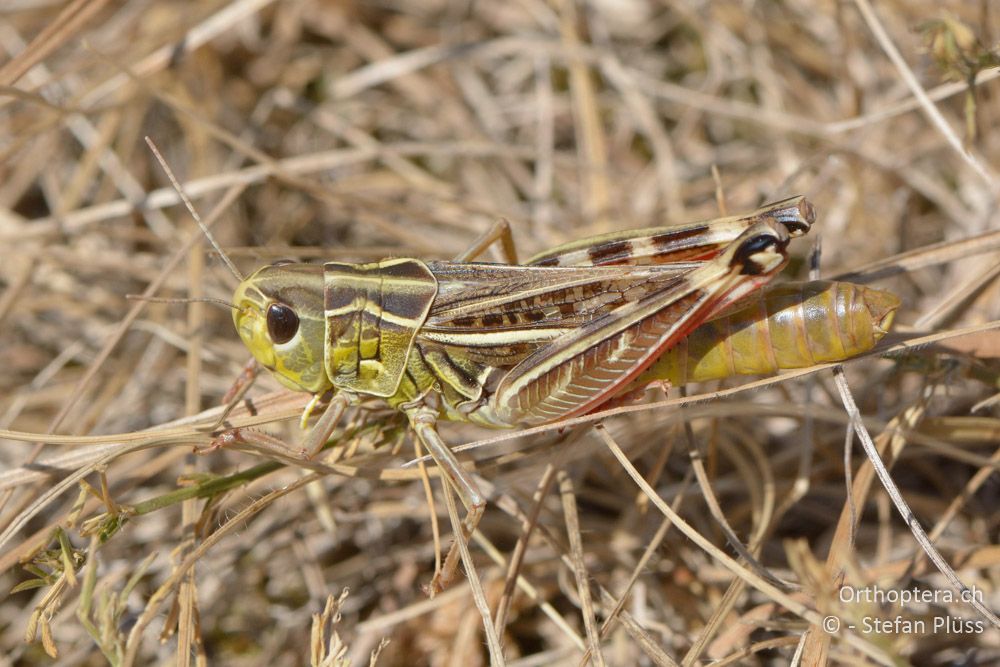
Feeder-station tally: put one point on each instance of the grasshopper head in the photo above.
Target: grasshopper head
(279, 317)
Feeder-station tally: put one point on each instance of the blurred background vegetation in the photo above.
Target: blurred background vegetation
(360, 130)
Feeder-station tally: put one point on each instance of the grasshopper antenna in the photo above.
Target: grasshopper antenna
(203, 299)
(193, 212)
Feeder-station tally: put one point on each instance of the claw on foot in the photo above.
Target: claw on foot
(221, 441)
(436, 585)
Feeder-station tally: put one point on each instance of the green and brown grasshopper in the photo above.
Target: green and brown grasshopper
(575, 329)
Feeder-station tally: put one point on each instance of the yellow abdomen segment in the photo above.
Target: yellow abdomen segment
(782, 328)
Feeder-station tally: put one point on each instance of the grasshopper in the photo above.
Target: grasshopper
(506, 345)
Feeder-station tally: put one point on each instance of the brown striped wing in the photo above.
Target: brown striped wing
(372, 315)
(577, 372)
(497, 314)
(692, 242)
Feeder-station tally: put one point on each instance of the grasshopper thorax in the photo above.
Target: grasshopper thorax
(279, 317)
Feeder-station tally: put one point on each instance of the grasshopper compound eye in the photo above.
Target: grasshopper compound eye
(282, 323)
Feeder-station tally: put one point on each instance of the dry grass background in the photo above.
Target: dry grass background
(359, 130)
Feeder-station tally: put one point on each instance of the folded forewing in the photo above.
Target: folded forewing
(486, 305)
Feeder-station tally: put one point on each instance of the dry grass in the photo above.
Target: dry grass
(357, 131)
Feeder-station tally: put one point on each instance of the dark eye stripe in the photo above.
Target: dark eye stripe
(282, 323)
